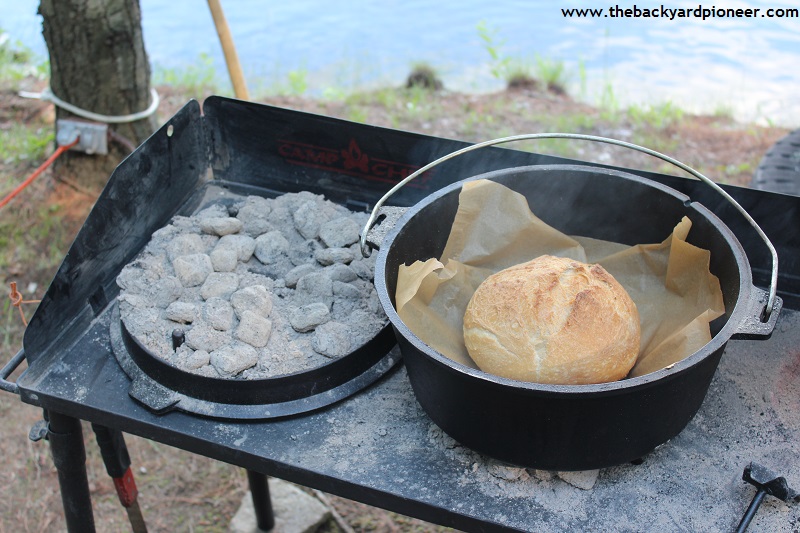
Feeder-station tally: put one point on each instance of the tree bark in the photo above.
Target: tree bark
(98, 62)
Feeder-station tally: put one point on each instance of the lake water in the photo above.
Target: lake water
(748, 66)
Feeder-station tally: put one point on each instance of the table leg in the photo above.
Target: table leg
(118, 465)
(259, 489)
(69, 456)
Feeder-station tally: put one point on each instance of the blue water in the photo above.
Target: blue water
(748, 66)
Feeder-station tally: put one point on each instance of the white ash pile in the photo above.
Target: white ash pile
(260, 288)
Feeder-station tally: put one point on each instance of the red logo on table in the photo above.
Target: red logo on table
(351, 160)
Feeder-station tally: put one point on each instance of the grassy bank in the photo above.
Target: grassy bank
(535, 100)
(184, 492)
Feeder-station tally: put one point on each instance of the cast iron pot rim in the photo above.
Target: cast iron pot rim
(717, 342)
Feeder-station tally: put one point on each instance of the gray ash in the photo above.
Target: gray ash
(260, 288)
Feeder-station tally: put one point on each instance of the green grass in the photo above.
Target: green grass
(583, 76)
(195, 80)
(298, 82)
(400, 105)
(357, 114)
(32, 244)
(18, 62)
(572, 122)
(659, 116)
(609, 105)
(22, 148)
(723, 112)
(10, 320)
(23, 143)
(41, 241)
(655, 140)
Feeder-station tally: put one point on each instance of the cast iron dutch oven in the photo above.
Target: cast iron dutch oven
(573, 427)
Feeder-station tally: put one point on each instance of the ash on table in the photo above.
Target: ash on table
(261, 288)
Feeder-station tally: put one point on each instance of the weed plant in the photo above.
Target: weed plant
(423, 76)
(552, 73)
(521, 72)
(500, 63)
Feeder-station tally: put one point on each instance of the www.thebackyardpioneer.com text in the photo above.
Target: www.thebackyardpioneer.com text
(664, 12)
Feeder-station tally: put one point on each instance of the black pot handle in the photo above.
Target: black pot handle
(770, 303)
(757, 324)
(9, 367)
(385, 219)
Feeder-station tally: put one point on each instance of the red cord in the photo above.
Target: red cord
(60, 150)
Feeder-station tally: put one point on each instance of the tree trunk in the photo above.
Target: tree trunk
(98, 62)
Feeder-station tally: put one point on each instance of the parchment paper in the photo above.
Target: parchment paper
(670, 282)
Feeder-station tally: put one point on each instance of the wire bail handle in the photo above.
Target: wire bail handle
(773, 285)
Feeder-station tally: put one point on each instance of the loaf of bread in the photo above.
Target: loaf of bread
(553, 320)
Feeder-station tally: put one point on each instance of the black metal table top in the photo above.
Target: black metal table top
(380, 448)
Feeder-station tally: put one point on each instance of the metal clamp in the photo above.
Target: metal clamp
(7, 370)
(773, 286)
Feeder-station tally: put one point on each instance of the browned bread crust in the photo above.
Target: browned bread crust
(553, 320)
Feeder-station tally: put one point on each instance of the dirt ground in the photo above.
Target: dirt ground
(184, 492)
